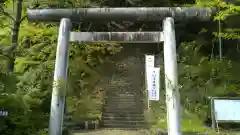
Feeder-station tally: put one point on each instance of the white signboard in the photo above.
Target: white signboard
(153, 84)
(149, 61)
(227, 110)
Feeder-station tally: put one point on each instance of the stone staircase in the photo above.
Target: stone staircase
(123, 110)
(124, 101)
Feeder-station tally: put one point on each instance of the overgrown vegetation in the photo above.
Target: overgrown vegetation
(26, 92)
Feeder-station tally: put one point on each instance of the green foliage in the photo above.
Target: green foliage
(226, 12)
(26, 93)
(201, 77)
(22, 110)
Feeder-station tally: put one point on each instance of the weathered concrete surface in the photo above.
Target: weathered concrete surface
(120, 37)
(121, 14)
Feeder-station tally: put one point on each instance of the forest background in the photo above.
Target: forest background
(27, 53)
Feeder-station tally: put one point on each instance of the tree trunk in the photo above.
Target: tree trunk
(15, 33)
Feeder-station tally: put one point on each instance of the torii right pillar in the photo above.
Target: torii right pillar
(171, 77)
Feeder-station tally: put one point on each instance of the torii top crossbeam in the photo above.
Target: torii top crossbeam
(119, 14)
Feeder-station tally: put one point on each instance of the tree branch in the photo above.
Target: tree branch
(24, 17)
(118, 25)
(3, 51)
(140, 29)
(3, 26)
(6, 13)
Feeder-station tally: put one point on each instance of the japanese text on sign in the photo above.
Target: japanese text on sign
(154, 85)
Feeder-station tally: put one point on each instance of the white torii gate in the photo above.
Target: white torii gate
(65, 16)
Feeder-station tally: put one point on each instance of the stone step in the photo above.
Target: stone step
(122, 114)
(123, 87)
(74, 125)
(116, 82)
(134, 93)
(123, 126)
(120, 83)
(76, 128)
(125, 118)
(123, 94)
(126, 88)
(124, 98)
(135, 100)
(117, 110)
(67, 118)
(121, 79)
(80, 126)
(123, 111)
(123, 102)
(130, 93)
(124, 106)
(124, 122)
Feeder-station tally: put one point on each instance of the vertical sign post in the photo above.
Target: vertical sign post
(153, 86)
(60, 79)
(149, 63)
(171, 77)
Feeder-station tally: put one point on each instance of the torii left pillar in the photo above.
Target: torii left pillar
(60, 79)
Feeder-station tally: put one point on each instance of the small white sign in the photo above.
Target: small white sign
(3, 113)
(149, 61)
(153, 83)
(227, 110)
